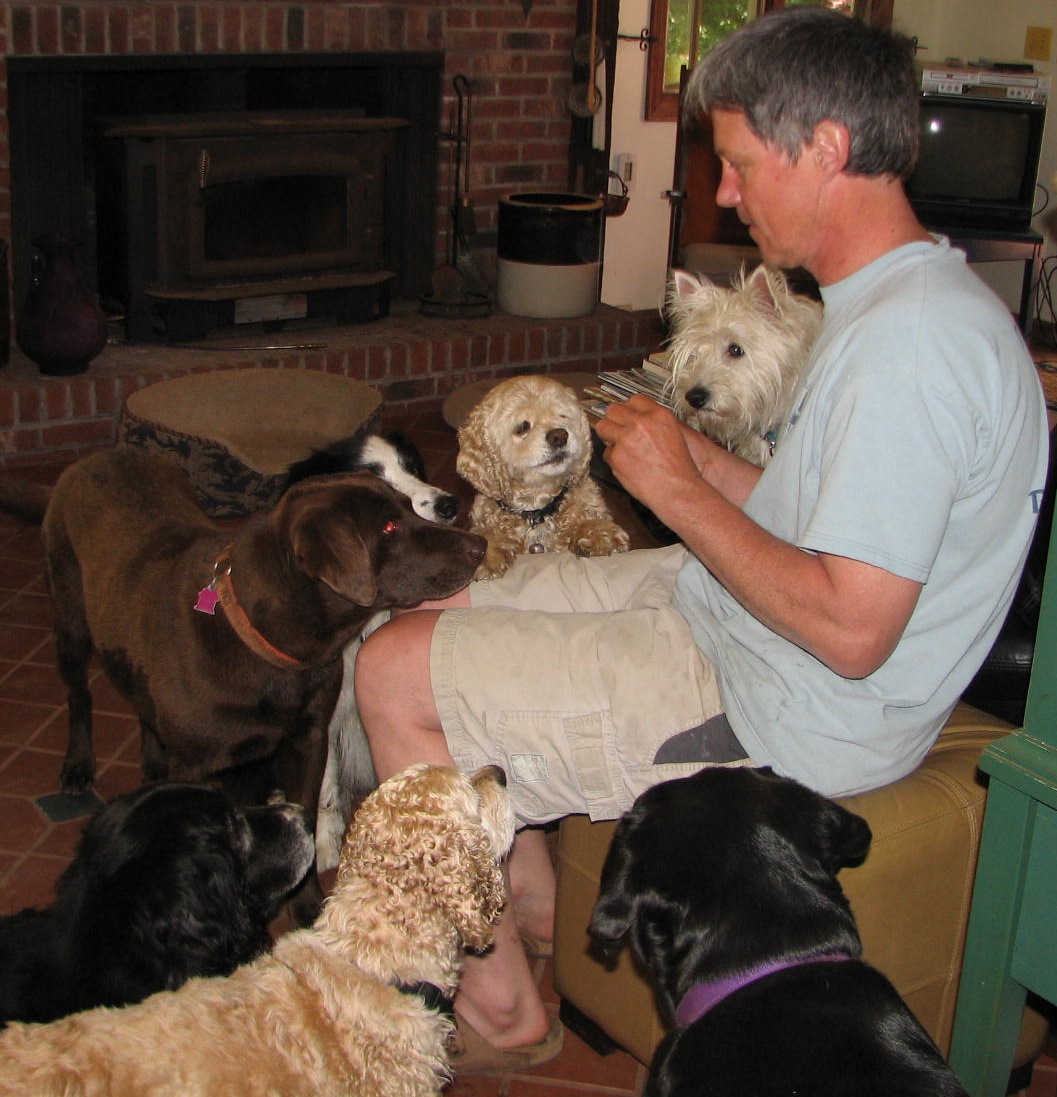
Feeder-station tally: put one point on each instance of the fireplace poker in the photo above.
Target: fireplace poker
(463, 215)
(459, 287)
(249, 346)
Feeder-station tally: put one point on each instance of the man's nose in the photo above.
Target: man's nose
(727, 193)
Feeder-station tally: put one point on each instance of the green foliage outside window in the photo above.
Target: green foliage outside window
(712, 20)
(715, 20)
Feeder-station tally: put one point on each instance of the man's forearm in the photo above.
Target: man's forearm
(846, 613)
(732, 476)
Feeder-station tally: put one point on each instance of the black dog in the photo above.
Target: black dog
(392, 457)
(725, 883)
(169, 882)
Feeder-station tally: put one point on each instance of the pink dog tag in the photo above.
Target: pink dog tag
(207, 600)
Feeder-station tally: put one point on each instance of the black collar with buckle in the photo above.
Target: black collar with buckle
(537, 517)
(431, 995)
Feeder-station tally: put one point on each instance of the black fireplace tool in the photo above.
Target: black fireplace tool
(459, 287)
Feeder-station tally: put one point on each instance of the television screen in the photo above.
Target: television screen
(974, 154)
(978, 161)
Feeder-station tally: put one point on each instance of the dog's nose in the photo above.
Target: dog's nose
(698, 396)
(557, 437)
(447, 506)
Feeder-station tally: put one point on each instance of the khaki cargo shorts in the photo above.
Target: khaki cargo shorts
(581, 679)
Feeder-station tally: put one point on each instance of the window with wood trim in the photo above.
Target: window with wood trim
(682, 31)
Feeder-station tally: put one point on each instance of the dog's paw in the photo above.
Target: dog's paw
(599, 537)
(77, 777)
(493, 565)
(497, 558)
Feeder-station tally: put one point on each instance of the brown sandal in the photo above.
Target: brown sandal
(471, 1053)
(536, 948)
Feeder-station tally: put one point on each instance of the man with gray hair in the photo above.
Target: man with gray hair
(821, 616)
(817, 68)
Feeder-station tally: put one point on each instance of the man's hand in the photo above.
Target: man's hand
(656, 457)
(645, 449)
(847, 613)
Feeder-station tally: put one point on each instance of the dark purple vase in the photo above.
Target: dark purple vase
(61, 326)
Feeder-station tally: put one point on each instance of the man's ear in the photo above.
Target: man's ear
(830, 147)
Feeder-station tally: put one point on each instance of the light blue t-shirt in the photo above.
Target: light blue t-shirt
(918, 443)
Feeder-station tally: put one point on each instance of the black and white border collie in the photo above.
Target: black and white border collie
(392, 457)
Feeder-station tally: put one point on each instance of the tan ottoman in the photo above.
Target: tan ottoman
(910, 898)
(235, 432)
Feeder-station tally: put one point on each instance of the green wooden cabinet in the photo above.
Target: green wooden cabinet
(1011, 946)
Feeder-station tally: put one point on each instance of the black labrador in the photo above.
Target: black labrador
(725, 884)
(168, 882)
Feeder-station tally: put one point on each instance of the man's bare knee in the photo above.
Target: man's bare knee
(392, 667)
(395, 697)
(388, 649)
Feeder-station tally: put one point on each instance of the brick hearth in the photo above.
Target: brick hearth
(412, 360)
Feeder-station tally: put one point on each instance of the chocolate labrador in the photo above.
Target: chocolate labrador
(227, 641)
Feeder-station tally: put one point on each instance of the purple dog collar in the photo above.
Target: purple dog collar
(702, 997)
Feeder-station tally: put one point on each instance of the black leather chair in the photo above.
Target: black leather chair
(1001, 684)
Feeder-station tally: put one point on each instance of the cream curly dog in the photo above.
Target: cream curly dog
(736, 355)
(526, 449)
(354, 1005)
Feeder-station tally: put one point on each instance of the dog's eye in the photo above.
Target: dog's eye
(390, 527)
(735, 351)
(523, 427)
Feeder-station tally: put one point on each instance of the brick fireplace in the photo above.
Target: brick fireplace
(521, 69)
(521, 65)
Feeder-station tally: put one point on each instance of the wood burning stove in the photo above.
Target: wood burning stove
(257, 217)
(276, 186)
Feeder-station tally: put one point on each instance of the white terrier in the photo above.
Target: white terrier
(736, 354)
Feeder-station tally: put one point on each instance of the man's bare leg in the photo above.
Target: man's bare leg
(497, 995)
(532, 885)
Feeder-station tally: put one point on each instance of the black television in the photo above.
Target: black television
(978, 163)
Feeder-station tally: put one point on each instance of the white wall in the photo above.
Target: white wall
(637, 243)
(971, 30)
(636, 255)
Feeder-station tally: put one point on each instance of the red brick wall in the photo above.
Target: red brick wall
(521, 65)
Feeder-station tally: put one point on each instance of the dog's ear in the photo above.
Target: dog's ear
(479, 896)
(846, 837)
(177, 902)
(204, 923)
(583, 434)
(688, 292)
(418, 841)
(769, 289)
(478, 461)
(615, 909)
(684, 283)
(328, 547)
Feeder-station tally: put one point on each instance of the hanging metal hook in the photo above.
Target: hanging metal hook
(644, 38)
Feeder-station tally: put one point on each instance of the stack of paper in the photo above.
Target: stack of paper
(650, 379)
